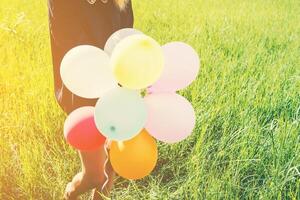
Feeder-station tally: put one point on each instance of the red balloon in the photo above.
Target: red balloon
(80, 130)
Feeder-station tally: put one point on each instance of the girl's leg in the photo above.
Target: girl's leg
(98, 192)
(91, 176)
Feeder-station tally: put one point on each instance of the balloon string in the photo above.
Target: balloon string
(148, 91)
(104, 167)
(60, 93)
(72, 99)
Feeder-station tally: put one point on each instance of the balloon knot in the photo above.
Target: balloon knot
(113, 128)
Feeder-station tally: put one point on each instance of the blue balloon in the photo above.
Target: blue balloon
(120, 114)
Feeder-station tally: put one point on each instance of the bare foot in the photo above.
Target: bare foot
(98, 193)
(70, 192)
(81, 183)
(92, 175)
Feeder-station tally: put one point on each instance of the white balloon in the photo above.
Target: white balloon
(85, 71)
(120, 114)
(117, 36)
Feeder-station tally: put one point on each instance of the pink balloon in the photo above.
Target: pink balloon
(80, 130)
(171, 118)
(182, 65)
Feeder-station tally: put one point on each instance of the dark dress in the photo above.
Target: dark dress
(76, 22)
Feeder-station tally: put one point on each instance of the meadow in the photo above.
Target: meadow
(246, 144)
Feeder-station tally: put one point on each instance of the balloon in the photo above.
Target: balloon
(171, 118)
(137, 61)
(80, 130)
(120, 114)
(117, 36)
(181, 68)
(135, 158)
(85, 71)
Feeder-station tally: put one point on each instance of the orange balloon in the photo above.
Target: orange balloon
(135, 158)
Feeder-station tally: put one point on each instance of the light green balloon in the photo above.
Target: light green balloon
(120, 114)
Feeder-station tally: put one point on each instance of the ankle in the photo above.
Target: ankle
(93, 179)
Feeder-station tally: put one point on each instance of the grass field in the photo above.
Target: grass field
(246, 141)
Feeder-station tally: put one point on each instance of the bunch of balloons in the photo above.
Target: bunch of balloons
(123, 115)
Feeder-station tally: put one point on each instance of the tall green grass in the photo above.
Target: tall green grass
(246, 141)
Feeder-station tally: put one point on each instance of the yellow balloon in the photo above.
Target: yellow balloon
(137, 61)
(135, 158)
